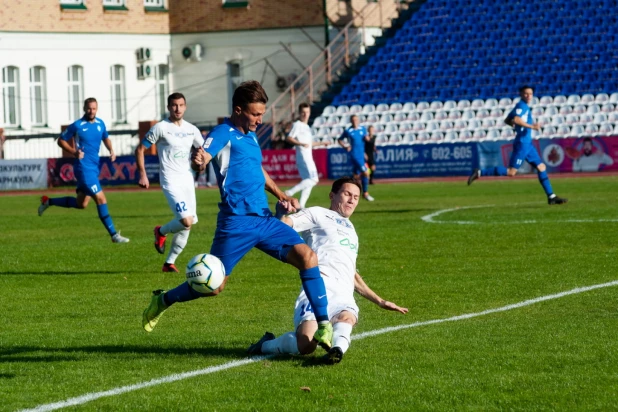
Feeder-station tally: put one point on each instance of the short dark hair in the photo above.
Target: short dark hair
(338, 184)
(90, 100)
(302, 106)
(249, 92)
(524, 87)
(587, 139)
(175, 96)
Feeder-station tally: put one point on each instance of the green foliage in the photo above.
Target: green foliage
(71, 304)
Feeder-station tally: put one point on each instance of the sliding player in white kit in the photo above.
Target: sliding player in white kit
(301, 137)
(175, 138)
(332, 237)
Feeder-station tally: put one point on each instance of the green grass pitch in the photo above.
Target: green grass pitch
(71, 304)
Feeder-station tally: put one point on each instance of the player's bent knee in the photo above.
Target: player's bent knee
(511, 172)
(345, 317)
(302, 257)
(306, 345)
(220, 288)
(187, 222)
(541, 168)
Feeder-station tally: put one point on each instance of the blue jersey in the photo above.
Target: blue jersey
(88, 138)
(356, 138)
(523, 134)
(237, 160)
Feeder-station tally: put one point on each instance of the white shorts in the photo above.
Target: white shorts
(181, 198)
(307, 171)
(337, 303)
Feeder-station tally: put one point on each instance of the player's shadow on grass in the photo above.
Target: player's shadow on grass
(164, 215)
(391, 211)
(67, 272)
(76, 353)
(305, 361)
(7, 375)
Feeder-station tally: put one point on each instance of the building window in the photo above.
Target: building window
(72, 4)
(162, 76)
(76, 91)
(119, 105)
(10, 96)
(114, 5)
(234, 74)
(38, 96)
(154, 4)
(235, 3)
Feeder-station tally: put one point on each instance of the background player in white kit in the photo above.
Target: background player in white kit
(301, 137)
(332, 237)
(175, 138)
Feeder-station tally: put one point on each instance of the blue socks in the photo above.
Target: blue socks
(63, 202)
(365, 183)
(544, 179)
(313, 284)
(181, 293)
(494, 171)
(106, 219)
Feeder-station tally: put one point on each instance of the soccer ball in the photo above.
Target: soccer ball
(205, 273)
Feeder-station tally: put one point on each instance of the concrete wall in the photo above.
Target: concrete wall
(206, 83)
(96, 53)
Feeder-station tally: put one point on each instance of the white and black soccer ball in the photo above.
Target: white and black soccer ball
(205, 273)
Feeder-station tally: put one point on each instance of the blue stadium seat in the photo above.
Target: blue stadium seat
(464, 49)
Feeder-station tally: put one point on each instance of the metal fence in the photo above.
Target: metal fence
(46, 146)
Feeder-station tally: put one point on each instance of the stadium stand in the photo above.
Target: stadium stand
(452, 69)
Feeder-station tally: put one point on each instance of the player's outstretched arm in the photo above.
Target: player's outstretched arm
(365, 291)
(200, 159)
(283, 208)
(272, 188)
(78, 153)
(108, 145)
(141, 168)
(520, 122)
(291, 140)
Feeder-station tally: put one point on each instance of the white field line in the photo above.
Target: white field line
(80, 400)
(430, 218)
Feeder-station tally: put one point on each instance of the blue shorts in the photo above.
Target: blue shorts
(358, 166)
(87, 183)
(237, 235)
(524, 151)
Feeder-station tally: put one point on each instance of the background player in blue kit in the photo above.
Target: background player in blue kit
(89, 132)
(245, 220)
(356, 147)
(521, 119)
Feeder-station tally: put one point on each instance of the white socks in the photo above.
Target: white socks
(341, 335)
(179, 241)
(173, 226)
(304, 187)
(285, 343)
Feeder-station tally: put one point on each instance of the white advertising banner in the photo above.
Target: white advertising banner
(23, 174)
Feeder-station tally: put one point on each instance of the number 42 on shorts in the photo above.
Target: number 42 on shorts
(181, 207)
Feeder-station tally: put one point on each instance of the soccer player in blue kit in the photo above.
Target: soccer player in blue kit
(356, 147)
(89, 132)
(521, 119)
(244, 219)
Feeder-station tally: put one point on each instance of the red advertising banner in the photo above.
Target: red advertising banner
(281, 164)
(583, 154)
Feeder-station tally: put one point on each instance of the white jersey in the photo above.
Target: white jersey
(333, 238)
(592, 162)
(174, 145)
(304, 155)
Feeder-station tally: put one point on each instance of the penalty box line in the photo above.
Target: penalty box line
(80, 400)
